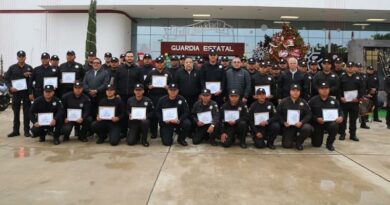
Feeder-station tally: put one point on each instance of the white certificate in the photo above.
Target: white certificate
(330, 115)
(205, 117)
(213, 87)
(50, 81)
(73, 114)
(293, 116)
(267, 89)
(20, 84)
(169, 114)
(44, 119)
(159, 81)
(138, 113)
(350, 95)
(231, 115)
(261, 117)
(106, 112)
(68, 77)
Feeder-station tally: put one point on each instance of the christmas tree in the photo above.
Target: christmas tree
(287, 43)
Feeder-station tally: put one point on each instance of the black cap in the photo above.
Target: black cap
(70, 53)
(234, 92)
(338, 60)
(350, 64)
(174, 58)
(91, 53)
(122, 56)
(110, 87)
(224, 58)
(326, 61)
(172, 86)
(323, 85)
(21, 54)
(138, 87)
(302, 63)
(213, 51)
(114, 59)
(260, 91)
(48, 88)
(251, 61)
(263, 64)
(295, 86)
(243, 59)
(182, 57)
(108, 55)
(205, 92)
(275, 67)
(55, 58)
(313, 62)
(45, 55)
(78, 84)
(200, 60)
(282, 61)
(370, 67)
(147, 55)
(159, 59)
(359, 65)
(269, 64)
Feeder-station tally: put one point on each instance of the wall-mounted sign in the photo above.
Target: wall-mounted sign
(202, 48)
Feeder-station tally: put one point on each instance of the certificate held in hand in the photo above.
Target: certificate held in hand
(205, 117)
(231, 115)
(293, 117)
(159, 81)
(106, 113)
(19, 84)
(73, 114)
(261, 117)
(330, 115)
(68, 77)
(213, 87)
(50, 81)
(44, 119)
(350, 95)
(138, 113)
(169, 114)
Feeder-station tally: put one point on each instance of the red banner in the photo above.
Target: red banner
(196, 48)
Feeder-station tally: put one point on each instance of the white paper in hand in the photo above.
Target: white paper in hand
(261, 117)
(293, 117)
(169, 114)
(231, 115)
(138, 113)
(205, 117)
(330, 115)
(44, 119)
(106, 113)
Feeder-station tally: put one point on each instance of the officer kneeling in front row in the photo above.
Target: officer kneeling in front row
(111, 111)
(140, 110)
(327, 115)
(206, 116)
(234, 115)
(294, 114)
(46, 115)
(263, 121)
(172, 112)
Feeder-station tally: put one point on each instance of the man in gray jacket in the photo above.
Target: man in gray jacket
(238, 79)
(95, 83)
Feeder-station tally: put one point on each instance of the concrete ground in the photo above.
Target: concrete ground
(86, 173)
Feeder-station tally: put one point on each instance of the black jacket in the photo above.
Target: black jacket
(331, 79)
(144, 102)
(241, 107)
(40, 105)
(317, 105)
(69, 100)
(189, 84)
(127, 76)
(286, 80)
(180, 103)
(300, 104)
(256, 107)
(199, 108)
(15, 72)
(37, 78)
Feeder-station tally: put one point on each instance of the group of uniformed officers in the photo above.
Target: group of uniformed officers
(204, 100)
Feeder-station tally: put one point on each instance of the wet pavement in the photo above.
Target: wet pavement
(86, 173)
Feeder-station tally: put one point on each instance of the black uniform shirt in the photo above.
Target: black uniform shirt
(179, 102)
(15, 72)
(69, 100)
(300, 104)
(256, 107)
(259, 79)
(38, 75)
(241, 107)
(317, 105)
(353, 82)
(212, 106)
(189, 84)
(117, 103)
(40, 105)
(144, 102)
(148, 81)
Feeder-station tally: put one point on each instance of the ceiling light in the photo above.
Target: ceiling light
(281, 22)
(201, 15)
(289, 17)
(360, 24)
(376, 20)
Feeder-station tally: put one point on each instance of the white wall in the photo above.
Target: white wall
(56, 33)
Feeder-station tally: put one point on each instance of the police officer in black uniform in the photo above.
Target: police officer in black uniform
(350, 81)
(79, 101)
(70, 66)
(55, 62)
(387, 90)
(138, 128)
(225, 62)
(21, 72)
(155, 93)
(88, 64)
(309, 75)
(182, 124)
(275, 73)
(230, 129)
(290, 131)
(261, 78)
(47, 104)
(113, 68)
(175, 66)
(363, 78)
(147, 65)
(212, 71)
(327, 76)
(107, 61)
(205, 130)
(189, 82)
(265, 130)
(319, 103)
(112, 128)
(372, 90)
(339, 67)
(283, 65)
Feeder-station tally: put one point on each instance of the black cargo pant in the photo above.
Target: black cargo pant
(318, 134)
(166, 131)
(42, 131)
(17, 100)
(238, 130)
(154, 119)
(201, 134)
(85, 126)
(291, 133)
(269, 134)
(106, 127)
(137, 129)
(351, 110)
